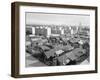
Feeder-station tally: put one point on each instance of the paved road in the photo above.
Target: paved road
(32, 61)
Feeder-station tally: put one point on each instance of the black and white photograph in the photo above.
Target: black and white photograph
(57, 39)
(52, 39)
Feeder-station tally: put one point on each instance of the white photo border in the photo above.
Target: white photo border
(54, 69)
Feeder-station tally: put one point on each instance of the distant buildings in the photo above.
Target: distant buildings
(48, 30)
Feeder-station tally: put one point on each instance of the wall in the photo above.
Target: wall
(5, 40)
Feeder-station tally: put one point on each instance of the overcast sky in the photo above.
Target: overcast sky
(42, 18)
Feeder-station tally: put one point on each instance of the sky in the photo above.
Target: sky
(57, 19)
